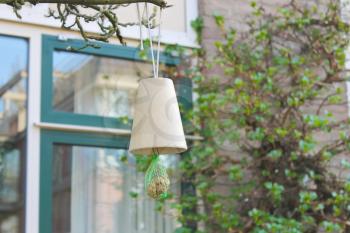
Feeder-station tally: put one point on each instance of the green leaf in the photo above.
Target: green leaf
(219, 19)
(133, 194)
(275, 154)
(345, 163)
(236, 173)
(198, 25)
(306, 146)
(331, 227)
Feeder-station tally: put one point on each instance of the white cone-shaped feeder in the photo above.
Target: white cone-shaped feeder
(157, 126)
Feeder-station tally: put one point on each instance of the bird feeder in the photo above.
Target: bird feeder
(157, 126)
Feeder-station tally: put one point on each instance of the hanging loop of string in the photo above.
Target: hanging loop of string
(140, 24)
(159, 38)
(155, 61)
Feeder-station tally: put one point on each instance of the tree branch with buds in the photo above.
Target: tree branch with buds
(73, 14)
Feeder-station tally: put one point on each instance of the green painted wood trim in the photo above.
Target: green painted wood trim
(48, 139)
(184, 94)
(45, 204)
(105, 50)
(46, 78)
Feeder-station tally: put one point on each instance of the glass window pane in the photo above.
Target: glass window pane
(91, 193)
(13, 88)
(95, 85)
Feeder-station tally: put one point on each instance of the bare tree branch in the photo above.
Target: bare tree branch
(160, 3)
(72, 14)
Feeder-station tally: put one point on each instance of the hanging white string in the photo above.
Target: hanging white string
(155, 63)
(159, 37)
(150, 40)
(140, 25)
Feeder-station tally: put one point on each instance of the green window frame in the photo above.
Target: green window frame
(48, 137)
(52, 43)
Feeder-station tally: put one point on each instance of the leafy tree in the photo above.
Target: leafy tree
(271, 126)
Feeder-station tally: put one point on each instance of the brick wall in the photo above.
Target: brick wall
(236, 13)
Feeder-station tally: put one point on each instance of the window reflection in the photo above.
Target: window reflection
(13, 87)
(94, 85)
(91, 193)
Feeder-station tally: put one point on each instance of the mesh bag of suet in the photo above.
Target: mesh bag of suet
(156, 179)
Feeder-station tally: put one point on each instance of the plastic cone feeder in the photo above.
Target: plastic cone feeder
(157, 126)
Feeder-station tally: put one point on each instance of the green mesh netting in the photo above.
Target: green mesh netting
(156, 179)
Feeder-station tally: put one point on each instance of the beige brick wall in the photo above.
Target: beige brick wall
(236, 12)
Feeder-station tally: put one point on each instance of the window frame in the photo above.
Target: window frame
(48, 138)
(53, 43)
(21, 203)
(72, 125)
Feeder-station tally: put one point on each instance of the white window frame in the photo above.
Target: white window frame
(33, 115)
(35, 16)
